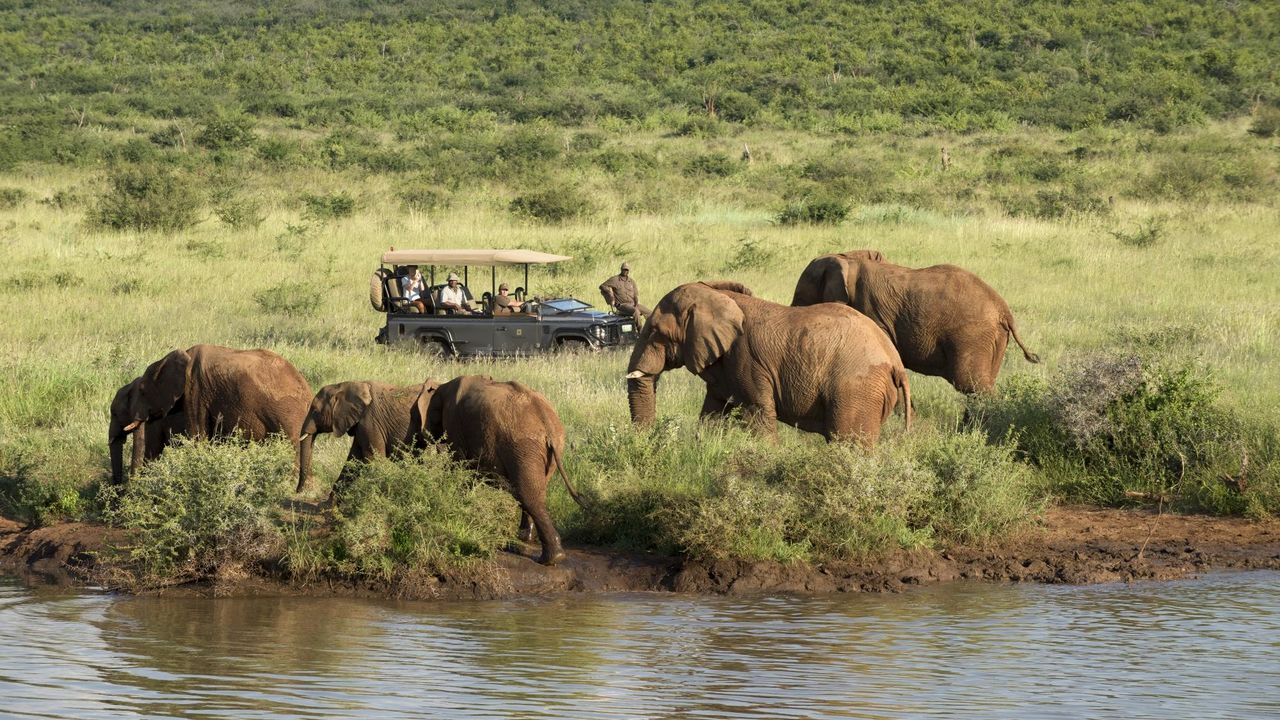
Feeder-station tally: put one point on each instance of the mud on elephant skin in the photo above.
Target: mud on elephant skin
(944, 320)
(824, 369)
(383, 420)
(509, 431)
(218, 391)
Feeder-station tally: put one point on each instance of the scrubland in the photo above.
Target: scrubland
(1138, 253)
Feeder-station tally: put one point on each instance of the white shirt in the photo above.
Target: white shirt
(412, 287)
(453, 295)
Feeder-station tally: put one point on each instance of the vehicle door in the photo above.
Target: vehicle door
(516, 333)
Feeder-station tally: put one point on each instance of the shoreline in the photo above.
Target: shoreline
(1067, 545)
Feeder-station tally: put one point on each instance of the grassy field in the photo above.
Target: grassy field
(1103, 240)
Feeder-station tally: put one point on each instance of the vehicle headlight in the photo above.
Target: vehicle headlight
(598, 331)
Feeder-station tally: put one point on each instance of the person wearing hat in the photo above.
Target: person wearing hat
(453, 297)
(621, 294)
(502, 302)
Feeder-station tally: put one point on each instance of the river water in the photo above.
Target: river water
(1201, 648)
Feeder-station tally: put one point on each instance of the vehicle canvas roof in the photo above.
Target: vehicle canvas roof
(470, 257)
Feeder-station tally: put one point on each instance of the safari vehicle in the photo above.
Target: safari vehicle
(544, 325)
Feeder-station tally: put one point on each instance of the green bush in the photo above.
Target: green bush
(12, 197)
(225, 132)
(201, 508)
(147, 198)
(40, 478)
(291, 297)
(328, 206)
(1124, 427)
(711, 165)
(813, 212)
(554, 204)
(751, 254)
(427, 515)
(424, 196)
(1266, 122)
(1147, 233)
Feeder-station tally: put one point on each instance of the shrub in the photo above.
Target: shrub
(1147, 233)
(555, 204)
(225, 132)
(239, 212)
(711, 165)
(147, 198)
(813, 212)
(276, 151)
(751, 254)
(12, 197)
(291, 297)
(1054, 204)
(329, 207)
(203, 508)
(428, 515)
(1120, 427)
(40, 477)
(1266, 122)
(424, 196)
(700, 126)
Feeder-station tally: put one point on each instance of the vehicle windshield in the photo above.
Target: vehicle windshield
(565, 305)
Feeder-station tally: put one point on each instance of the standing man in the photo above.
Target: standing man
(621, 294)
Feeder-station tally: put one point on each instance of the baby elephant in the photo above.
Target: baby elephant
(508, 430)
(381, 419)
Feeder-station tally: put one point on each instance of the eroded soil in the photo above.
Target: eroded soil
(1068, 545)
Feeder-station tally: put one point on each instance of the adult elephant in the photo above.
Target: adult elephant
(825, 369)
(383, 420)
(221, 391)
(507, 430)
(148, 444)
(944, 320)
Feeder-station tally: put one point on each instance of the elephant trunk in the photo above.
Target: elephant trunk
(139, 448)
(304, 460)
(642, 399)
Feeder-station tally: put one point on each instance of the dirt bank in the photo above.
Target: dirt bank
(1068, 545)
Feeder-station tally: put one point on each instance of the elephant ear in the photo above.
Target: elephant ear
(163, 383)
(838, 279)
(423, 406)
(435, 412)
(349, 406)
(712, 322)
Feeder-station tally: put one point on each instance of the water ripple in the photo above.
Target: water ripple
(1204, 648)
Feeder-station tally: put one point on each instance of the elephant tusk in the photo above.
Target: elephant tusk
(131, 426)
(303, 437)
(635, 375)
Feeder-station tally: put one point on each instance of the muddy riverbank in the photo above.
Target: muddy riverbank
(1068, 545)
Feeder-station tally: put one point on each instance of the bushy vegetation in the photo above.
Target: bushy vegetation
(148, 198)
(1121, 428)
(419, 516)
(203, 509)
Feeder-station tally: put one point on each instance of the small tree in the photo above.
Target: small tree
(147, 198)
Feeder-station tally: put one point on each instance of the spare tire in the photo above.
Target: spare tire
(376, 289)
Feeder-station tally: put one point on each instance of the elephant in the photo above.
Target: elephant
(149, 444)
(508, 430)
(824, 369)
(220, 391)
(944, 320)
(383, 420)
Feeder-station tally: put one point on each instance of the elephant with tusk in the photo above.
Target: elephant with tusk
(944, 320)
(208, 391)
(825, 369)
(383, 420)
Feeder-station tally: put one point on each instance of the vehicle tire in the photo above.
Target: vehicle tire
(435, 348)
(575, 346)
(375, 289)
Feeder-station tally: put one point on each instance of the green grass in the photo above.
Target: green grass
(1111, 170)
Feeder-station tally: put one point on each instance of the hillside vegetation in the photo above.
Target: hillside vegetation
(229, 173)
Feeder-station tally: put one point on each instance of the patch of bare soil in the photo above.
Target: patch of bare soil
(1068, 545)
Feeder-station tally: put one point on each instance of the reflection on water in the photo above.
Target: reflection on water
(1198, 648)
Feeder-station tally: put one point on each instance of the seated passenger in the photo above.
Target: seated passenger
(504, 303)
(412, 286)
(453, 297)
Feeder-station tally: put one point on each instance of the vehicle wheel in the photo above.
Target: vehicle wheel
(435, 348)
(575, 346)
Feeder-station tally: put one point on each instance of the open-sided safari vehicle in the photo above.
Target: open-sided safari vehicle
(541, 325)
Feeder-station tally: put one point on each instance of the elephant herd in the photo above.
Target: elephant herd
(834, 363)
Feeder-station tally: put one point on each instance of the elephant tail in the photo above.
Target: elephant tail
(554, 457)
(1013, 330)
(900, 380)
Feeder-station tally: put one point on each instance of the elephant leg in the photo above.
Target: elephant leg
(851, 420)
(971, 371)
(347, 473)
(526, 526)
(533, 502)
(762, 420)
(715, 407)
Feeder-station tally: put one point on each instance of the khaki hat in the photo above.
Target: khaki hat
(452, 276)
(625, 266)
(503, 286)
